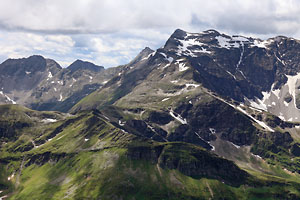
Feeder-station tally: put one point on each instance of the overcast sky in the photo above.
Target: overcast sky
(112, 32)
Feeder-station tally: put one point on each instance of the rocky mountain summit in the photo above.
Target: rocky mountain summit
(206, 116)
(212, 90)
(260, 73)
(42, 84)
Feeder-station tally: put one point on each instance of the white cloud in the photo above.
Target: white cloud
(113, 32)
(18, 45)
(111, 50)
(106, 16)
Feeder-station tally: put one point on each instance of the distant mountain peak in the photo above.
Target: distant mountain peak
(179, 33)
(81, 65)
(32, 63)
(211, 31)
(147, 49)
(36, 57)
(143, 54)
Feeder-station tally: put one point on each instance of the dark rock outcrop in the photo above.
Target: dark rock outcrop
(191, 161)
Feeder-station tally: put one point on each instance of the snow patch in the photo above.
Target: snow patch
(236, 41)
(262, 124)
(231, 74)
(49, 76)
(203, 51)
(170, 59)
(190, 42)
(60, 97)
(121, 123)
(183, 49)
(240, 60)
(191, 85)
(11, 177)
(163, 54)
(212, 130)
(150, 55)
(261, 43)
(167, 65)
(227, 43)
(178, 117)
(165, 99)
(8, 98)
(259, 105)
(223, 42)
(281, 117)
(255, 109)
(199, 136)
(236, 146)
(49, 120)
(280, 60)
(182, 67)
(291, 82)
(240, 38)
(276, 93)
(257, 156)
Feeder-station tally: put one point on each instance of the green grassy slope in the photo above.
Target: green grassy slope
(87, 157)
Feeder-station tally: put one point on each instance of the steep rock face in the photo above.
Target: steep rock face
(68, 86)
(235, 66)
(196, 163)
(260, 73)
(263, 74)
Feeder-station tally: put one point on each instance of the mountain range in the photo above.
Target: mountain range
(206, 116)
(42, 84)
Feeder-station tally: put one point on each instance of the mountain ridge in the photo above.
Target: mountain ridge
(42, 84)
(79, 64)
(187, 84)
(235, 66)
(190, 120)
